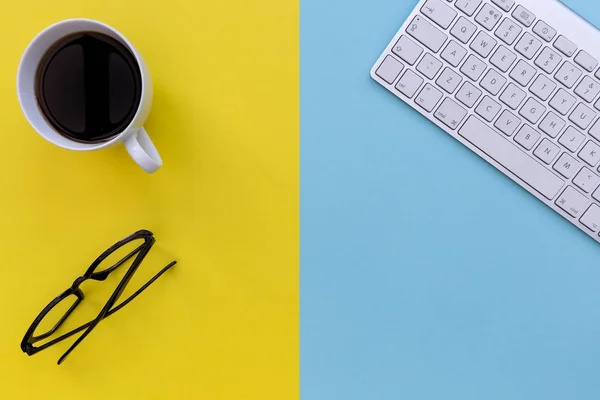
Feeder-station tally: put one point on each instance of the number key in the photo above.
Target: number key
(587, 89)
(508, 31)
(528, 46)
(488, 17)
(568, 74)
(548, 60)
(468, 6)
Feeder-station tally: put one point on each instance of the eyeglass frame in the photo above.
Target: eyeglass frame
(27, 344)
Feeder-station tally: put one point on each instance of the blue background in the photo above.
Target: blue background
(425, 273)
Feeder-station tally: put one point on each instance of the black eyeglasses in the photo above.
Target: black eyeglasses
(98, 271)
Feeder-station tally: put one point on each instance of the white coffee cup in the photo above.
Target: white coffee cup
(134, 137)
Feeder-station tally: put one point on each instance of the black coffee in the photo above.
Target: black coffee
(88, 87)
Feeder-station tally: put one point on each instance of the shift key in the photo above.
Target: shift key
(427, 34)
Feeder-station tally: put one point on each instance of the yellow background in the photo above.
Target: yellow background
(223, 324)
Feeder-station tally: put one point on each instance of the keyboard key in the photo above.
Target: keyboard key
(488, 17)
(468, 6)
(409, 83)
(596, 194)
(587, 89)
(488, 109)
(450, 113)
(493, 82)
(572, 202)
(552, 124)
(429, 66)
(548, 60)
(508, 31)
(468, 94)
(562, 102)
(503, 59)
(544, 31)
(547, 151)
(449, 80)
(527, 137)
(426, 34)
(542, 87)
(407, 50)
(483, 44)
(473, 68)
(510, 157)
(571, 139)
(528, 46)
(439, 13)
(507, 123)
(463, 30)
(595, 131)
(389, 69)
(565, 46)
(428, 98)
(586, 180)
(585, 61)
(505, 5)
(523, 73)
(523, 15)
(566, 165)
(512, 96)
(454, 53)
(532, 111)
(590, 153)
(582, 116)
(568, 74)
(591, 218)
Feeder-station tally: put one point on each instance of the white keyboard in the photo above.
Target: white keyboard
(515, 81)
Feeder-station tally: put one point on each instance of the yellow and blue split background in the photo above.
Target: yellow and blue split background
(331, 243)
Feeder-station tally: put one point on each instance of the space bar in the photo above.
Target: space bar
(511, 158)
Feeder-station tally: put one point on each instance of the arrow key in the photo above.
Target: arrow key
(591, 218)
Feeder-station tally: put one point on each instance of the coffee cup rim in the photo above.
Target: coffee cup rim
(28, 100)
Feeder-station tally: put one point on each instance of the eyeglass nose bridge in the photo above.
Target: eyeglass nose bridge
(77, 283)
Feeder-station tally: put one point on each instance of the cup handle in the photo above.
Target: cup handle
(142, 150)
